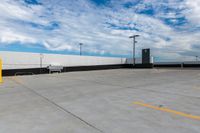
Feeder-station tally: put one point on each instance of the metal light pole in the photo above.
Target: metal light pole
(134, 42)
(41, 57)
(196, 58)
(80, 48)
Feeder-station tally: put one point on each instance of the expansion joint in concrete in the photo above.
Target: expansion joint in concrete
(56, 105)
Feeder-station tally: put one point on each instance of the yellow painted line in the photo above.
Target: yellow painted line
(196, 87)
(168, 110)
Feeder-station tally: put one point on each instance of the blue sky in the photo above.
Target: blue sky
(171, 28)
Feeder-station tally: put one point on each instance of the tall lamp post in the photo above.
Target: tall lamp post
(41, 58)
(196, 58)
(81, 44)
(134, 42)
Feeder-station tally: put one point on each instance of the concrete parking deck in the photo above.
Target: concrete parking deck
(108, 101)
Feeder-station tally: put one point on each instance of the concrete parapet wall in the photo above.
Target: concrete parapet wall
(21, 60)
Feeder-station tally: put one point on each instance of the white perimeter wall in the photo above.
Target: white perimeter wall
(137, 61)
(14, 60)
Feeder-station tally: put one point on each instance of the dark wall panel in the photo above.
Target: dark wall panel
(30, 71)
(146, 56)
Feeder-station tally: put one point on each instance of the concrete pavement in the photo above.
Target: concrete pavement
(102, 101)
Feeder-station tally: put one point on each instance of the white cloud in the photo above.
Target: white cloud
(9, 37)
(82, 21)
(193, 12)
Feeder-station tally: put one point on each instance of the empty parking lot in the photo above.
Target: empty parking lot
(108, 101)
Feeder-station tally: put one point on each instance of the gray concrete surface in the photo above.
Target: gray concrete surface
(101, 101)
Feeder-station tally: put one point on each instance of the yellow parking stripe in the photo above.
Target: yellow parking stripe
(168, 110)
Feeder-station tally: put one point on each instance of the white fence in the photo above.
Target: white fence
(14, 60)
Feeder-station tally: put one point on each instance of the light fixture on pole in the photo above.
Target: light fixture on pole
(134, 42)
(81, 44)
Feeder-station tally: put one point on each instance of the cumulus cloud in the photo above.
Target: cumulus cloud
(169, 28)
(193, 11)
